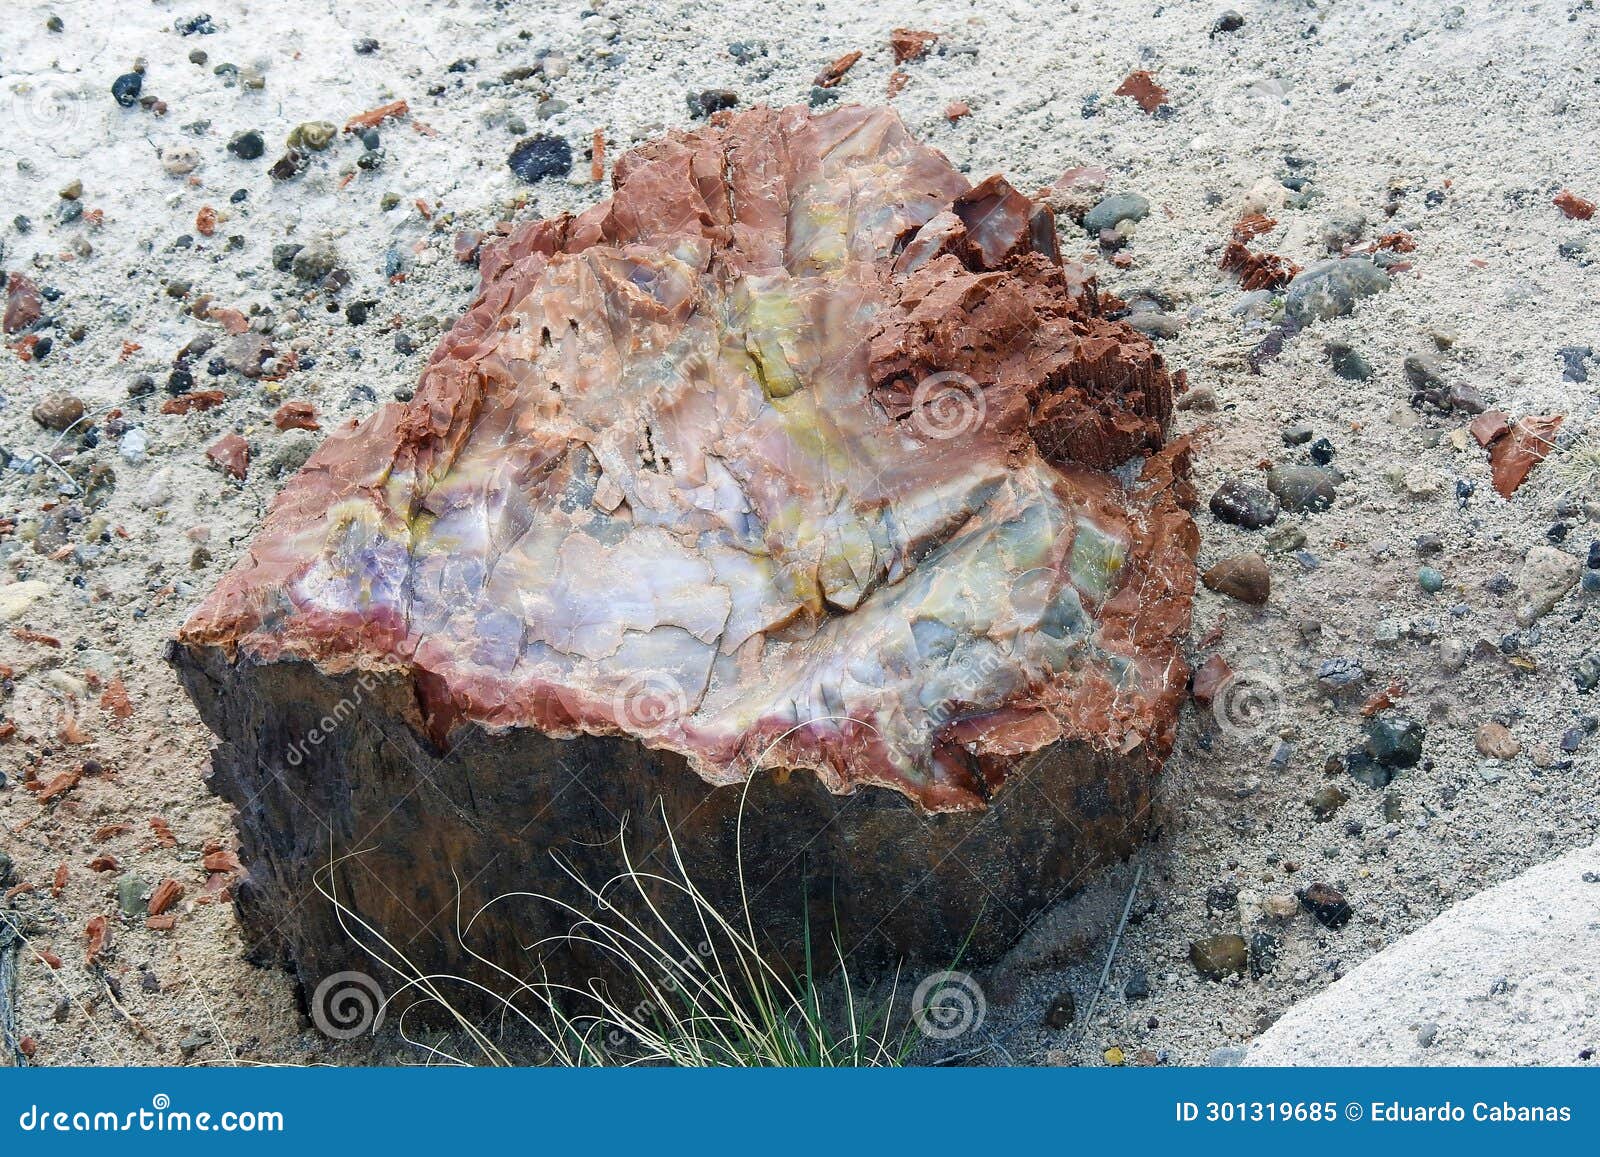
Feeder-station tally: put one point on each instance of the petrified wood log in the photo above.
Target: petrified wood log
(787, 469)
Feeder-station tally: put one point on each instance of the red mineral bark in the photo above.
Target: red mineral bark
(714, 464)
(1514, 449)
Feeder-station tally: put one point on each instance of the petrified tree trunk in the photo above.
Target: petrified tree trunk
(786, 467)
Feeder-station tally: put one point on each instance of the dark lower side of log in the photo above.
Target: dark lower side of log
(329, 773)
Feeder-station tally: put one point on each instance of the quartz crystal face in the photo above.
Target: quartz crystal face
(799, 452)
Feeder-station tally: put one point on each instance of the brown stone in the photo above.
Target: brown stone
(231, 455)
(24, 305)
(1241, 576)
(1496, 741)
(722, 502)
(1209, 679)
(1218, 957)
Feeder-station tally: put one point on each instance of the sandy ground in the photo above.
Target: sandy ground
(1454, 124)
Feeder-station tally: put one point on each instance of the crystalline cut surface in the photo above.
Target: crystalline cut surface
(800, 451)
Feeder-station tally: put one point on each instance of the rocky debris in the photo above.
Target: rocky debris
(538, 157)
(834, 73)
(1143, 89)
(1514, 449)
(1327, 801)
(710, 100)
(1394, 741)
(24, 304)
(1244, 577)
(1496, 741)
(908, 44)
(1574, 206)
(1229, 21)
(59, 412)
(1547, 575)
(1112, 211)
(296, 416)
(248, 145)
(1218, 957)
(1327, 904)
(1241, 504)
(1062, 1012)
(1331, 289)
(884, 481)
(231, 455)
(1505, 977)
(1209, 679)
(1302, 489)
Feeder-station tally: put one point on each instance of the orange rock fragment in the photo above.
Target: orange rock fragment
(165, 923)
(1257, 270)
(1253, 225)
(1209, 680)
(231, 455)
(835, 72)
(1574, 206)
(372, 118)
(220, 861)
(201, 400)
(1400, 242)
(597, 157)
(114, 700)
(166, 894)
(296, 416)
(909, 44)
(59, 786)
(205, 221)
(897, 82)
(104, 864)
(1144, 90)
(1514, 449)
(231, 320)
(97, 933)
(60, 884)
(955, 110)
(163, 832)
